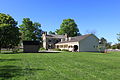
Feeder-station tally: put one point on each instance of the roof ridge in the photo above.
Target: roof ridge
(77, 38)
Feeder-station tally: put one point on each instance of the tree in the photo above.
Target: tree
(68, 27)
(118, 37)
(102, 45)
(50, 32)
(108, 45)
(103, 41)
(116, 46)
(30, 30)
(9, 32)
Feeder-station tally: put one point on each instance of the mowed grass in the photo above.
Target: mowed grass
(60, 66)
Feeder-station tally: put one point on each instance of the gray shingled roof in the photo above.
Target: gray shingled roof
(55, 36)
(76, 39)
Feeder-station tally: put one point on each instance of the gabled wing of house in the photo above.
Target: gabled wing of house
(88, 42)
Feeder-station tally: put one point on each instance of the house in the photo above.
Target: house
(84, 43)
(88, 42)
(49, 40)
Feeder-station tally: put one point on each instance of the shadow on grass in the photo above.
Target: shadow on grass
(8, 72)
(28, 52)
(39, 52)
(2, 60)
(9, 53)
(49, 52)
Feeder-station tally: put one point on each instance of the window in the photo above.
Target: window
(49, 40)
(50, 46)
(65, 46)
(57, 46)
(94, 46)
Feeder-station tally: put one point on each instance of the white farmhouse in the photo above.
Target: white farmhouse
(84, 43)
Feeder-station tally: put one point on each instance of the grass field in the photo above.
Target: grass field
(60, 66)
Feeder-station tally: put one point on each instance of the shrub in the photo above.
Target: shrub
(42, 49)
(65, 50)
(57, 49)
(15, 50)
(114, 47)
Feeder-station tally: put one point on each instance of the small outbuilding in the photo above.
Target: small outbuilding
(31, 46)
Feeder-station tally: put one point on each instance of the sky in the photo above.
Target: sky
(99, 16)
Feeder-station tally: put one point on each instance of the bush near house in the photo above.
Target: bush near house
(57, 49)
(64, 50)
(42, 49)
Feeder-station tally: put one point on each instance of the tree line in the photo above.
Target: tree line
(11, 34)
(109, 45)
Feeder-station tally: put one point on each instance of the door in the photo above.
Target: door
(75, 48)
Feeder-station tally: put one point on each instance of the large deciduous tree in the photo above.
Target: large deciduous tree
(30, 30)
(9, 32)
(68, 27)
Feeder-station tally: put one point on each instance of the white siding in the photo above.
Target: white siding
(89, 44)
(44, 41)
(69, 44)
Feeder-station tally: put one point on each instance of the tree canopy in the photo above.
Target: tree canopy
(30, 30)
(50, 32)
(103, 41)
(9, 32)
(118, 37)
(68, 27)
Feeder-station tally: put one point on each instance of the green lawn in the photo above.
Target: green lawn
(60, 66)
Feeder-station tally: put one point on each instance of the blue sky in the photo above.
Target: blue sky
(101, 16)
